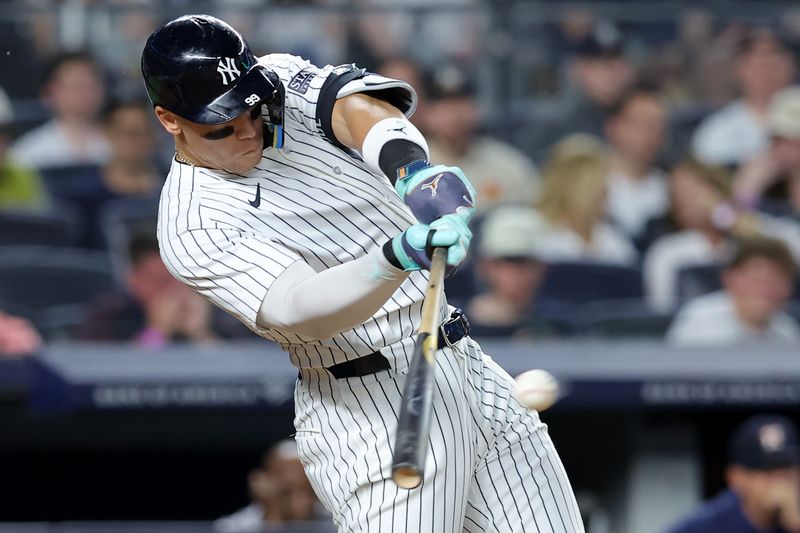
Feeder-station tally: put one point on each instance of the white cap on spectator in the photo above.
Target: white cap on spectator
(511, 231)
(783, 115)
(6, 112)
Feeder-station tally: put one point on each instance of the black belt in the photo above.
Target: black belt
(450, 332)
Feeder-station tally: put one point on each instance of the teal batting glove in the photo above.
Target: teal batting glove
(413, 248)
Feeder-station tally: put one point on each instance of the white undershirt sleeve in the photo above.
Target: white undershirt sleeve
(321, 304)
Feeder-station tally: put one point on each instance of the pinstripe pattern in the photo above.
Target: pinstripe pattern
(491, 465)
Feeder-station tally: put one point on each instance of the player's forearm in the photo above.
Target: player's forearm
(321, 304)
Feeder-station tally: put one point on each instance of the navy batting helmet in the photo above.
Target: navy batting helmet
(201, 69)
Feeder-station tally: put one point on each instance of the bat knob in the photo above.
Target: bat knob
(407, 477)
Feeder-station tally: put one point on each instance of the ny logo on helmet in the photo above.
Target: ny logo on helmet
(227, 66)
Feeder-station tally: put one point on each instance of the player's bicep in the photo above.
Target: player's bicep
(353, 116)
(232, 269)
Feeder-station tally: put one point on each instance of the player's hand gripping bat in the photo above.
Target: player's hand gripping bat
(411, 441)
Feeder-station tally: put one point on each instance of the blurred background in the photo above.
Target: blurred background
(638, 171)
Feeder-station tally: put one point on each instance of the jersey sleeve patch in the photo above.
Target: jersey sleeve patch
(301, 81)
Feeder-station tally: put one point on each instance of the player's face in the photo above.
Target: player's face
(235, 146)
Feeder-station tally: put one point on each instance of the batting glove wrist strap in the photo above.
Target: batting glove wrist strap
(435, 191)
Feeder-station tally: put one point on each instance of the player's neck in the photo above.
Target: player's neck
(184, 155)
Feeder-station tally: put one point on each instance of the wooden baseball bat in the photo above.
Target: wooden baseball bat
(411, 441)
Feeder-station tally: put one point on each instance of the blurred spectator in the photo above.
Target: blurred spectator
(599, 73)
(572, 206)
(406, 69)
(74, 92)
(763, 479)
(153, 309)
(17, 336)
(688, 234)
(735, 133)
(509, 267)
(636, 131)
(384, 28)
(771, 180)
(499, 172)
(131, 169)
(20, 188)
(757, 283)
(698, 229)
(696, 67)
(280, 494)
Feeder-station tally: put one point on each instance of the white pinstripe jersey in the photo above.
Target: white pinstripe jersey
(318, 204)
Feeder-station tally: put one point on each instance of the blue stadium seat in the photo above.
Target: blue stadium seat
(59, 226)
(621, 318)
(40, 277)
(120, 220)
(697, 280)
(71, 181)
(579, 283)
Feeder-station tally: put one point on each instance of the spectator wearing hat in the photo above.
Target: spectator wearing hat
(598, 73)
(499, 172)
(20, 187)
(771, 180)
(763, 479)
(757, 284)
(74, 92)
(764, 65)
(636, 132)
(509, 267)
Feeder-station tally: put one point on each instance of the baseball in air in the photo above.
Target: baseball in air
(536, 389)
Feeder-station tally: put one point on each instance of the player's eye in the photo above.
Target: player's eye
(227, 131)
(215, 135)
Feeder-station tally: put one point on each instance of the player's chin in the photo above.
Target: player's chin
(247, 161)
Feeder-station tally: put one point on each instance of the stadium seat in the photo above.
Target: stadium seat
(121, 219)
(59, 226)
(697, 280)
(621, 318)
(71, 181)
(579, 283)
(40, 277)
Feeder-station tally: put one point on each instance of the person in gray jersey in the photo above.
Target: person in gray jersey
(301, 201)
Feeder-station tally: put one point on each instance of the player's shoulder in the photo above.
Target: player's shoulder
(288, 67)
(717, 514)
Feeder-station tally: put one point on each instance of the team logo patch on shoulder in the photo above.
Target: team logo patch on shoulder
(301, 81)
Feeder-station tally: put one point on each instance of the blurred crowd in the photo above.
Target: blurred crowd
(639, 188)
(633, 181)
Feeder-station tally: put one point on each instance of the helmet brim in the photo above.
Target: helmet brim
(259, 86)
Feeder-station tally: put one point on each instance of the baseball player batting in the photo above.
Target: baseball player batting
(301, 201)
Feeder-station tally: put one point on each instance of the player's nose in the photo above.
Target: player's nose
(245, 127)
